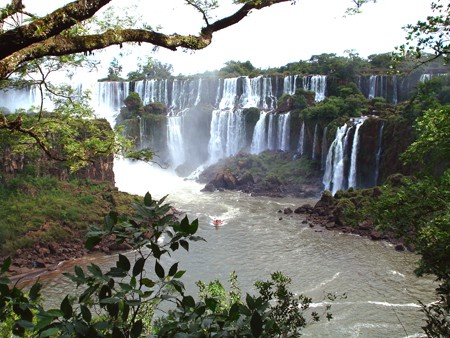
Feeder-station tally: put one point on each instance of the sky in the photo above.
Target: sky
(270, 37)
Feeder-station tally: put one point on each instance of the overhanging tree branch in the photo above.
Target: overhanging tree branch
(56, 44)
(50, 25)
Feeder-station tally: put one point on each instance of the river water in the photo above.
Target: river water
(255, 240)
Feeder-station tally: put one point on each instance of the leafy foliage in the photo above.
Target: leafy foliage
(432, 147)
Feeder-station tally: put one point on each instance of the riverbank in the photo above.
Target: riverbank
(44, 220)
(344, 212)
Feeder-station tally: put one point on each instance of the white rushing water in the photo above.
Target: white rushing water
(354, 155)
(301, 140)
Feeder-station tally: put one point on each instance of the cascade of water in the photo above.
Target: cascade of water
(354, 155)
(229, 96)
(284, 131)
(259, 142)
(395, 90)
(112, 94)
(227, 132)
(251, 94)
(317, 84)
(334, 170)
(301, 140)
(199, 92)
(175, 139)
(372, 86)
(425, 77)
(269, 101)
(378, 153)
(290, 84)
(271, 139)
(314, 151)
(14, 98)
(324, 149)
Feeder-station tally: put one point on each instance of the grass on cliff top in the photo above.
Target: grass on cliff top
(45, 209)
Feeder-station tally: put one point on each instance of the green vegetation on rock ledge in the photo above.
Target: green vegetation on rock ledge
(273, 173)
(45, 209)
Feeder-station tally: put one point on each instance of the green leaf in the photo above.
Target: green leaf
(159, 270)
(66, 307)
(110, 220)
(147, 282)
(184, 244)
(79, 272)
(35, 291)
(92, 241)
(95, 270)
(250, 302)
(148, 200)
(173, 269)
(86, 313)
(53, 331)
(194, 226)
(179, 274)
(188, 301)
(6, 264)
(136, 330)
(184, 225)
(138, 266)
(256, 324)
(123, 263)
(211, 303)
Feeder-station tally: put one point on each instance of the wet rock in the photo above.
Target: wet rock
(400, 247)
(287, 211)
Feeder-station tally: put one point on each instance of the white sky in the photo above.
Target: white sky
(273, 36)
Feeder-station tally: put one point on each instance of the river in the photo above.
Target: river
(255, 239)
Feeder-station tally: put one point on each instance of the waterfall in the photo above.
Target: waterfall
(259, 143)
(395, 90)
(313, 155)
(324, 149)
(199, 92)
(290, 84)
(227, 132)
(334, 178)
(271, 140)
(111, 96)
(284, 131)
(378, 153)
(301, 141)
(229, 95)
(175, 140)
(425, 77)
(334, 171)
(15, 98)
(317, 84)
(354, 155)
(372, 86)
